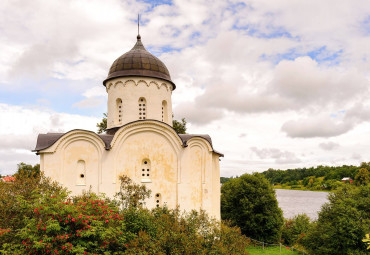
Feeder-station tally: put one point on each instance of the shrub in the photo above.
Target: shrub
(249, 202)
(342, 223)
(55, 223)
(295, 229)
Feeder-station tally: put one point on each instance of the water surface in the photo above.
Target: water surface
(294, 202)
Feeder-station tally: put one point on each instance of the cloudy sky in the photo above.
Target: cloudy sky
(277, 84)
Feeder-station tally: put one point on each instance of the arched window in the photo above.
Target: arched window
(158, 200)
(164, 111)
(119, 110)
(81, 172)
(142, 108)
(145, 169)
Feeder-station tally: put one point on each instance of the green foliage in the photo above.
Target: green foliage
(224, 179)
(131, 194)
(342, 223)
(362, 177)
(28, 170)
(315, 178)
(24, 190)
(180, 127)
(249, 202)
(43, 219)
(102, 126)
(84, 225)
(295, 229)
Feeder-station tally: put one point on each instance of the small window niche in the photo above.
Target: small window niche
(81, 173)
(145, 171)
(142, 108)
(158, 200)
(119, 111)
(164, 111)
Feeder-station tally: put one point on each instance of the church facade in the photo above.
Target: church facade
(140, 142)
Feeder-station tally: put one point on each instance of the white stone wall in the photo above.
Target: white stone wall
(186, 176)
(130, 90)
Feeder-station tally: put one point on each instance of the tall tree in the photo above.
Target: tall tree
(249, 202)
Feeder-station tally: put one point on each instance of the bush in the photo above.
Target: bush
(295, 229)
(92, 224)
(342, 223)
(249, 202)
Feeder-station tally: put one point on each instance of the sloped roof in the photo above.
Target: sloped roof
(44, 141)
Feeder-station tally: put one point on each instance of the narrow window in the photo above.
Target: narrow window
(81, 172)
(158, 200)
(164, 111)
(145, 169)
(142, 108)
(119, 110)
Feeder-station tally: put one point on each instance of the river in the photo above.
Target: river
(294, 202)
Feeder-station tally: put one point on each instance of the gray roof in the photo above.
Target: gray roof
(44, 141)
(139, 62)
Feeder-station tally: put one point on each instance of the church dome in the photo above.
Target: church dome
(139, 62)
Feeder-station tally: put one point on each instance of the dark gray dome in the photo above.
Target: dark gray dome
(139, 62)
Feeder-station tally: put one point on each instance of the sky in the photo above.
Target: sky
(277, 84)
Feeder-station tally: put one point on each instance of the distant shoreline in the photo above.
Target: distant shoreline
(282, 188)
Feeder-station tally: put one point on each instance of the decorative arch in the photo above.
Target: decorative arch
(119, 82)
(130, 82)
(155, 83)
(142, 81)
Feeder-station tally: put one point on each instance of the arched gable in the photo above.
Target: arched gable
(151, 139)
(73, 135)
(151, 126)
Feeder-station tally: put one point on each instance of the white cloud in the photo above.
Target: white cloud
(262, 68)
(20, 127)
(280, 157)
(329, 146)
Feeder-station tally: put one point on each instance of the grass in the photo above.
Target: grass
(271, 251)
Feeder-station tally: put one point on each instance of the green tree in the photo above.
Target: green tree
(26, 170)
(131, 194)
(362, 177)
(249, 202)
(342, 223)
(295, 229)
(102, 126)
(180, 127)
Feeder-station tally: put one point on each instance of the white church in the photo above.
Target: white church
(140, 142)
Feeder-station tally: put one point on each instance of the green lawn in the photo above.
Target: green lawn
(271, 251)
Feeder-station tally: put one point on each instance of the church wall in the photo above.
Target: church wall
(130, 90)
(185, 176)
(75, 161)
(138, 150)
(198, 178)
(216, 186)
